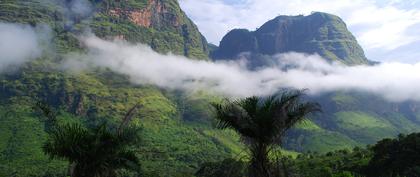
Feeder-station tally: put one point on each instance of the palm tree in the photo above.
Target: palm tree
(96, 152)
(92, 152)
(263, 122)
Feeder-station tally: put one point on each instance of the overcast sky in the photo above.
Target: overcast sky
(387, 30)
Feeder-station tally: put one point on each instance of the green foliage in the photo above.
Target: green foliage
(304, 140)
(102, 95)
(351, 119)
(97, 151)
(387, 158)
(228, 167)
(334, 163)
(21, 138)
(262, 123)
(177, 130)
(364, 127)
(170, 141)
(396, 157)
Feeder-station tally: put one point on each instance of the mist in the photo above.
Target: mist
(20, 43)
(73, 11)
(76, 10)
(393, 81)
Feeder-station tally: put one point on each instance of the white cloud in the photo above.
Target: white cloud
(19, 44)
(377, 25)
(393, 81)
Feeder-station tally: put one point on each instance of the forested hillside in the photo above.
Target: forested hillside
(177, 135)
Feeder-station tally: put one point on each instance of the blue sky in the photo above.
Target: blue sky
(387, 30)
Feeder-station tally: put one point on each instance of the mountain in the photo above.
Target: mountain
(349, 118)
(321, 33)
(152, 22)
(177, 135)
(177, 131)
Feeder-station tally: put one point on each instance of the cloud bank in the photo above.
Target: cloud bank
(19, 44)
(393, 81)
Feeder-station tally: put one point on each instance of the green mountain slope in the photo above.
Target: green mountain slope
(349, 118)
(354, 119)
(320, 33)
(175, 142)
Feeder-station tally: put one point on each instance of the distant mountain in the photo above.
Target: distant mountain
(349, 118)
(318, 33)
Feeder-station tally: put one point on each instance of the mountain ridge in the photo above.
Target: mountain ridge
(350, 118)
(318, 33)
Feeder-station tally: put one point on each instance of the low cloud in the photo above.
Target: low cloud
(76, 10)
(73, 11)
(20, 43)
(393, 81)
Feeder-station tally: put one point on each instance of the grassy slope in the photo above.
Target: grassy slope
(22, 136)
(351, 119)
(169, 141)
(310, 137)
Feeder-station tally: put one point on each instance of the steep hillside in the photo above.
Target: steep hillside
(349, 118)
(159, 23)
(320, 33)
(174, 141)
(354, 119)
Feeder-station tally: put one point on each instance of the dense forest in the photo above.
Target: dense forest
(386, 158)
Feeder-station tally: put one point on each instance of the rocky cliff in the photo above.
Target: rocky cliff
(318, 33)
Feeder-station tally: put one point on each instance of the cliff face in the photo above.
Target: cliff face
(156, 22)
(320, 33)
(159, 23)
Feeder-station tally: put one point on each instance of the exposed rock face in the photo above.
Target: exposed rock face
(141, 18)
(152, 15)
(237, 41)
(178, 33)
(320, 33)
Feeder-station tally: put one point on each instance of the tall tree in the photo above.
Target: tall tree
(263, 122)
(94, 152)
(396, 157)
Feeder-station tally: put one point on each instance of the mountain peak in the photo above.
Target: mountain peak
(318, 33)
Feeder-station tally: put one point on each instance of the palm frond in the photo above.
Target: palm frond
(67, 142)
(232, 115)
(264, 119)
(129, 116)
(96, 151)
(262, 122)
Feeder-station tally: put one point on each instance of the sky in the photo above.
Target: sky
(388, 30)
